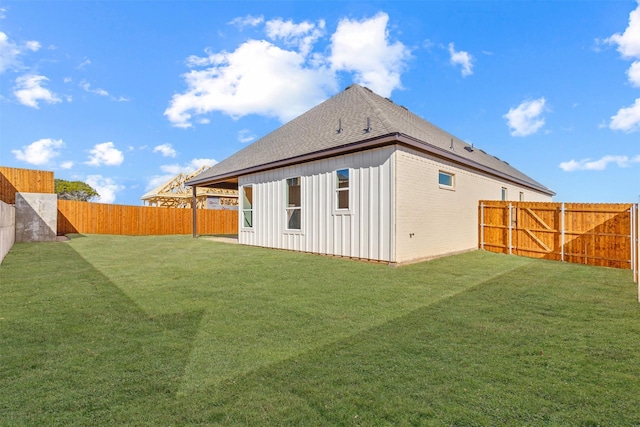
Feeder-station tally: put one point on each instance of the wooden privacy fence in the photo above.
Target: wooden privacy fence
(595, 234)
(15, 180)
(98, 218)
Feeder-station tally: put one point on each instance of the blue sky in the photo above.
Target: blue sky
(125, 95)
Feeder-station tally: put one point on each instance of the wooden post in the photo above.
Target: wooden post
(510, 230)
(194, 211)
(482, 226)
(562, 233)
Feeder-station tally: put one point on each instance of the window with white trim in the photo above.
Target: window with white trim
(522, 196)
(504, 193)
(446, 179)
(294, 206)
(342, 189)
(247, 206)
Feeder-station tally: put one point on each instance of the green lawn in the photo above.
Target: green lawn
(107, 330)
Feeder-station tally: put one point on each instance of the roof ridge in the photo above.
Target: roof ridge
(368, 94)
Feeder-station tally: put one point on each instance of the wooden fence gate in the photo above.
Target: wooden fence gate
(585, 233)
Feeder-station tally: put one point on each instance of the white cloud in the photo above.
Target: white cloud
(245, 136)
(627, 119)
(33, 45)
(598, 165)
(106, 188)
(165, 149)
(526, 118)
(105, 154)
(29, 91)
(87, 87)
(462, 58)
(633, 73)
(192, 166)
(66, 165)
(282, 77)
(198, 163)
(363, 47)
(303, 35)
(84, 63)
(257, 78)
(628, 45)
(39, 152)
(8, 53)
(247, 21)
(629, 41)
(171, 171)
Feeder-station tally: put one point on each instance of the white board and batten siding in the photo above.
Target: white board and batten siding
(365, 231)
(434, 220)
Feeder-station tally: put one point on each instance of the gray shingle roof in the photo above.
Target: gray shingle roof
(341, 121)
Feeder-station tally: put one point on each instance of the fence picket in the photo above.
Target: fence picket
(586, 233)
(98, 218)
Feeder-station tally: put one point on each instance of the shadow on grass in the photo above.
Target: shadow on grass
(77, 351)
(543, 344)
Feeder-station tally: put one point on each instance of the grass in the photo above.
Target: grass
(107, 330)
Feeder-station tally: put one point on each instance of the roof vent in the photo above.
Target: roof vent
(451, 146)
(368, 128)
(366, 88)
(389, 100)
(339, 126)
(404, 107)
(469, 148)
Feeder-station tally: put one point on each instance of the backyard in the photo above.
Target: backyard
(171, 330)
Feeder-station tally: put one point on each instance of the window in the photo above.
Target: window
(247, 206)
(521, 196)
(293, 208)
(342, 189)
(504, 193)
(445, 179)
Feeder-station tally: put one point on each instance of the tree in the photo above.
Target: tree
(74, 190)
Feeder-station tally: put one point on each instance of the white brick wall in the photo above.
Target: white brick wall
(433, 221)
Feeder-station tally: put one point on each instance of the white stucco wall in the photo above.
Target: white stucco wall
(366, 231)
(432, 220)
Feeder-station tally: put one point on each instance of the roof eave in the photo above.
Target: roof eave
(367, 144)
(446, 154)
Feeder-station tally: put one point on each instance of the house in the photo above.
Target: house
(359, 176)
(175, 194)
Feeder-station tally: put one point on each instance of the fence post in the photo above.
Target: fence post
(510, 229)
(194, 210)
(562, 232)
(482, 226)
(635, 245)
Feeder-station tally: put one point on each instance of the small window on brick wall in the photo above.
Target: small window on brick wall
(446, 180)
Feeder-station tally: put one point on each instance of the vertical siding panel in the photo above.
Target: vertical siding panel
(382, 206)
(363, 213)
(358, 234)
(373, 209)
